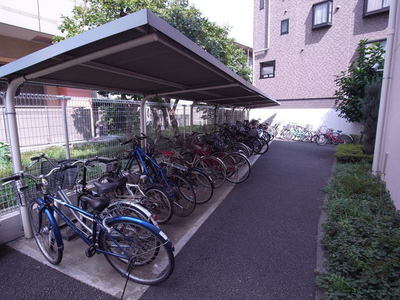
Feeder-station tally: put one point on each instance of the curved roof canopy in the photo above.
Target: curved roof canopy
(141, 54)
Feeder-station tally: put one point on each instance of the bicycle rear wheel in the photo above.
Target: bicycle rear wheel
(185, 197)
(346, 139)
(215, 168)
(46, 233)
(237, 167)
(159, 204)
(138, 251)
(202, 185)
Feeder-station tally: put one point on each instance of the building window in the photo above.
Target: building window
(285, 26)
(375, 6)
(262, 4)
(267, 69)
(322, 14)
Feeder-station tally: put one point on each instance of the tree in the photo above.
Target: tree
(178, 13)
(352, 83)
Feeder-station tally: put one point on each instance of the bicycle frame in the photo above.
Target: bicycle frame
(49, 209)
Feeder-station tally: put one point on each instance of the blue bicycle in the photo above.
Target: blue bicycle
(138, 250)
(179, 190)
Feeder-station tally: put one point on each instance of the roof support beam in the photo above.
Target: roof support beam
(233, 98)
(201, 89)
(95, 55)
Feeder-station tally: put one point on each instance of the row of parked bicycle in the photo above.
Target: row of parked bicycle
(304, 134)
(119, 212)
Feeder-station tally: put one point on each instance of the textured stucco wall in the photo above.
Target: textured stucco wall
(390, 150)
(312, 118)
(327, 51)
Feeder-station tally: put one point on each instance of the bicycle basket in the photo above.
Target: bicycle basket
(65, 179)
(109, 167)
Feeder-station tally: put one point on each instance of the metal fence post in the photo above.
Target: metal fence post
(143, 128)
(92, 123)
(184, 121)
(191, 118)
(15, 146)
(215, 116)
(233, 116)
(65, 122)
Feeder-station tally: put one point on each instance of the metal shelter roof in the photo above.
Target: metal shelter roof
(142, 54)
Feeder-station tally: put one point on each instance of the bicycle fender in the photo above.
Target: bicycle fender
(53, 222)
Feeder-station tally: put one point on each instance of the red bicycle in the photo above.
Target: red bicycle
(334, 137)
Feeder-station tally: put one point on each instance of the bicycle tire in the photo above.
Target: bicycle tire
(202, 185)
(151, 259)
(264, 149)
(129, 209)
(321, 140)
(46, 235)
(158, 202)
(346, 139)
(215, 168)
(238, 167)
(184, 201)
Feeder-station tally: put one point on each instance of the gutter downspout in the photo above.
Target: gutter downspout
(11, 117)
(143, 120)
(377, 165)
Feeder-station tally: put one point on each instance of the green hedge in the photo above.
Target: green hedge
(351, 153)
(362, 237)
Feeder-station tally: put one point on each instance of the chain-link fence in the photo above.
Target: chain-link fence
(86, 127)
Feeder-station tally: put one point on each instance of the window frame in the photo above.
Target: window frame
(376, 11)
(273, 64)
(262, 4)
(328, 23)
(287, 32)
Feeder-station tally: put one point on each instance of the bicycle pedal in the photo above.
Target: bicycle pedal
(90, 251)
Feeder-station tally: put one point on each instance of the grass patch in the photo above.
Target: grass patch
(351, 153)
(362, 237)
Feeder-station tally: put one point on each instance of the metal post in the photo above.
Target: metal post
(248, 114)
(184, 122)
(233, 116)
(143, 121)
(65, 122)
(191, 118)
(215, 116)
(15, 147)
(92, 123)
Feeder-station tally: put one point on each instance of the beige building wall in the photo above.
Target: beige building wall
(387, 154)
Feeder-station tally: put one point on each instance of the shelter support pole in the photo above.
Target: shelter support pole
(92, 123)
(65, 123)
(11, 117)
(191, 118)
(184, 122)
(248, 114)
(233, 116)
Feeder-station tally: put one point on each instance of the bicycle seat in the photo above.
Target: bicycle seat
(98, 203)
(339, 131)
(104, 188)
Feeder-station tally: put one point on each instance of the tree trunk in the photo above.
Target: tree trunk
(156, 122)
(174, 122)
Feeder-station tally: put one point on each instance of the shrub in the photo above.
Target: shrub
(351, 153)
(362, 237)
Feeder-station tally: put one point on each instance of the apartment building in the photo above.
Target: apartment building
(27, 26)
(301, 46)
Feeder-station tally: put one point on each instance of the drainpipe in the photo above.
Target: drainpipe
(377, 165)
(11, 117)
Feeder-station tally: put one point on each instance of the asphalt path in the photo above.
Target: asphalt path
(261, 242)
(22, 277)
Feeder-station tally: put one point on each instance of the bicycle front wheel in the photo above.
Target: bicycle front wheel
(159, 204)
(215, 168)
(46, 233)
(138, 251)
(185, 197)
(202, 185)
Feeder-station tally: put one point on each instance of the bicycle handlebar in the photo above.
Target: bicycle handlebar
(10, 178)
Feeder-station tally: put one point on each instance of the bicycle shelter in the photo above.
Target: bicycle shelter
(138, 54)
